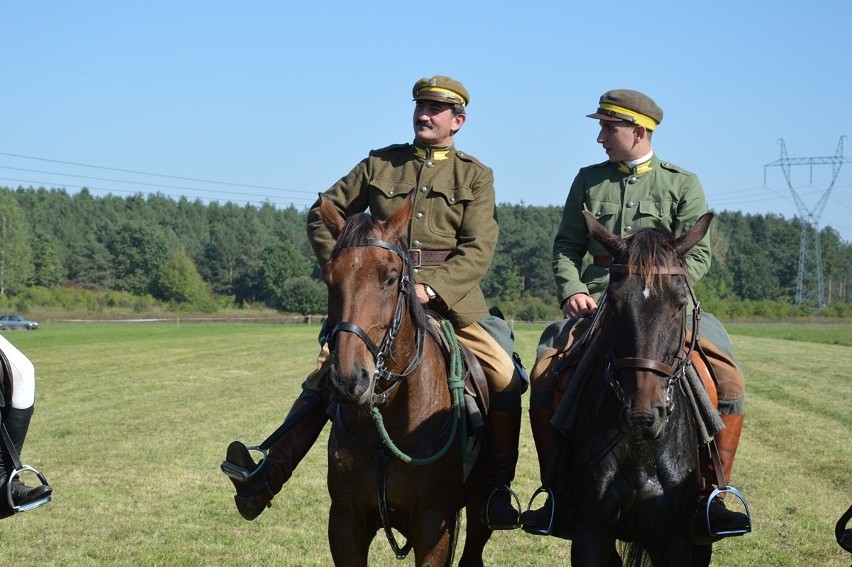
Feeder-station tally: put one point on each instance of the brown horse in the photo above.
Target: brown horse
(635, 435)
(395, 457)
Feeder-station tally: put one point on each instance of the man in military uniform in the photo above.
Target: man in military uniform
(633, 189)
(451, 236)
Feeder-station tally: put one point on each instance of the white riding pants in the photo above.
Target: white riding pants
(23, 375)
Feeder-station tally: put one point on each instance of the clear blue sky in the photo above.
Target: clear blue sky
(254, 101)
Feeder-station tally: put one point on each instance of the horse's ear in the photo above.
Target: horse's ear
(398, 220)
(332, 217)
(607, 239)
(693, 236)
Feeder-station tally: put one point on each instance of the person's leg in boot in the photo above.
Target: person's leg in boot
(505, 427)
(721, 519)
(17, 424)
(256, 493)
(730, 384)
(490, 340)
(557, 515)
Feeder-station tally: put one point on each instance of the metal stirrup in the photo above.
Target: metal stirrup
(547, 530)
(727, 533)
(30, 505)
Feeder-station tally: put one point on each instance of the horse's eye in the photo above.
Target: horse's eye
(391, 281)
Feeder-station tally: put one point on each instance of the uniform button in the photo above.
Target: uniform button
(628, 228)
(452, 199)
(390, 192)
(631, 180)
(630, 204)
(416, 244)
(424, 189)
(429, 164)
(419, 215)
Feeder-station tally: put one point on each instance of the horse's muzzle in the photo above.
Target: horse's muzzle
(643, 426)
(351, 388)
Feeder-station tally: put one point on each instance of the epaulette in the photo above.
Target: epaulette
(390, 148)
(468, 158)
(675, 168)
(601, 164)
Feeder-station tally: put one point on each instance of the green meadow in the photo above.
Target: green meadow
(132, 421)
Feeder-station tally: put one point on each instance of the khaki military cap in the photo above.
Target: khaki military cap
(630, 106)
(442, 89)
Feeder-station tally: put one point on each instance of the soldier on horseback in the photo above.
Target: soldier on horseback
(632, 189)
(451, 239)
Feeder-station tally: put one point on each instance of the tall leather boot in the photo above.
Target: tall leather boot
(554, 460)
(505, 427)
(17, 424)
(256, 493)
(720, 518)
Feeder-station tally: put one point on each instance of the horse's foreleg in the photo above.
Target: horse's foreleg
(593, 548)
(349, 542)
(476, 536)
(433, 541)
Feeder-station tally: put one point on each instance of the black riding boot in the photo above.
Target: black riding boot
(556, 516)
(255, 493)
(505, 427)
(17, 423)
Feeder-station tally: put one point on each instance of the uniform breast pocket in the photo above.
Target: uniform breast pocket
(654, 213)
(446, 210)
(385, 196)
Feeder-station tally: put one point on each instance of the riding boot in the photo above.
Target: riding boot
(17, 423)
(720, 518)
(556, 516)
(267, 478)
(505, 427)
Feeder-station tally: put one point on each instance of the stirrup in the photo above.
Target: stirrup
(495, 526)
(547, 530)
(242, 474)
(727, 533)
(29, 505)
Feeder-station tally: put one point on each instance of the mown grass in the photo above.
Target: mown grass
(132, 421)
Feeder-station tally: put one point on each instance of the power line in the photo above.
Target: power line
(136, 172)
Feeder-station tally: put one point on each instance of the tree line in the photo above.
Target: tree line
(147, 250)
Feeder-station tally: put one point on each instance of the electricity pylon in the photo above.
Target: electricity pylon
(809, 288)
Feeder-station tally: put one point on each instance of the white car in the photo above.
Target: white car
(16, 322)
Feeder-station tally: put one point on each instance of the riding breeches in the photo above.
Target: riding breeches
(714, 341)
(23, 375)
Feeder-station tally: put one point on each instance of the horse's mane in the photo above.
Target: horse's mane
(647, 249)
(358, 230)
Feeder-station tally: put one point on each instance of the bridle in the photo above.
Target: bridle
(682, 359)
(382, 352)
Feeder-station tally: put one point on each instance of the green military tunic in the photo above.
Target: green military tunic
(454, 209)
(666, 196)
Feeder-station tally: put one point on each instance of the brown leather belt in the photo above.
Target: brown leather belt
(428, 257)
(605, 261)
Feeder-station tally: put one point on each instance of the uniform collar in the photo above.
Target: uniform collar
(437, 153)
(637, 166)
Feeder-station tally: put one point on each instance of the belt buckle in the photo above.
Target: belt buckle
(416, 257)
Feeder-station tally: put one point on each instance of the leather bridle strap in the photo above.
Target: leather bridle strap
(643, 364)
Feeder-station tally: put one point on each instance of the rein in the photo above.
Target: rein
(684, 356)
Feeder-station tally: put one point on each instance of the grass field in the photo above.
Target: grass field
(132, 421)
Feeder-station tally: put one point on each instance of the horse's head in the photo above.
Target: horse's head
(369, 280)
(645, 310)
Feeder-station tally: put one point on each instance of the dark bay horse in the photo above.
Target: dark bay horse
(394, 452)
(635, 437)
